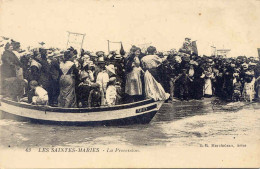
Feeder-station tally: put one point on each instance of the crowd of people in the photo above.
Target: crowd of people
(71, 78)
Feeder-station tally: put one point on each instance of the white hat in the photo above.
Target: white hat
(194, 62)
(178, 59)
(252, 64)
(50, 54)
(111, 68)
(245, 66)
(35, 63)
(101, 59)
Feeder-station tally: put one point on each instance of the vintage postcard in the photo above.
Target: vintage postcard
(129, 84)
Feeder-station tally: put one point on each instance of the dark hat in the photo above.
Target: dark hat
(186, 58)
(151, 49)
(100, 53)
(74, 51)
(113, 53)
(95, 85)
(33, 83)
(134, 48)
(7, 46)
(67, 55)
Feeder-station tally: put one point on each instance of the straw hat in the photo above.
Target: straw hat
(35, 63)
(252, 64)
(111, 68)
(101, 60)
(245, 66)
(118, 57)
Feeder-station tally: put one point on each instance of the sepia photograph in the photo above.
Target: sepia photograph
(129, 84)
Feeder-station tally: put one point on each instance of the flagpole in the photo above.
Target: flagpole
(108, 46)
(82, 42)
(68, 39)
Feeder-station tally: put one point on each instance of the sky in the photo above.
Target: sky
(232, 24)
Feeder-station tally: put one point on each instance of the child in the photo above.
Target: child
(102, 80)
(37, 95)
(111, 94)
(94, 98)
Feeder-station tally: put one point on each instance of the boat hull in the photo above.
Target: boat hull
(134, 113)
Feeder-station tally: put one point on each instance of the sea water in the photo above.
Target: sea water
(192, 123)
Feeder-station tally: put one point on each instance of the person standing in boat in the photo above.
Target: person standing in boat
(67, 97)
(134, 73)
(151, 62)
(55, 74)
(111, 94)
(94, 98)
(35, 66)
(86, 78)
(103, 79)
(10, 63)
(44, 73)
(101, 63)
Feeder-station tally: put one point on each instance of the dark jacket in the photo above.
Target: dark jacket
(9, 63)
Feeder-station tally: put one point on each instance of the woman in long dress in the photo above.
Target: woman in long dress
(133, 77)
(208, 83)
(67, 97)
(10, 64)
(248, 92)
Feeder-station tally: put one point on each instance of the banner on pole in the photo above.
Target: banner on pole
(114, 46)
(76, 41)
(194, 47)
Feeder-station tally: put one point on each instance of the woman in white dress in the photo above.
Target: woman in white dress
(208, 82)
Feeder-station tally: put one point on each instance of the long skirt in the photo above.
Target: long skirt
(153, 89)
(248, 92)
(208, 87)
(134, 82)
(198, 87)
(14, 87)
(67, 97)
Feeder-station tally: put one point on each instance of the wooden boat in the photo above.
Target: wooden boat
(133, 113)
